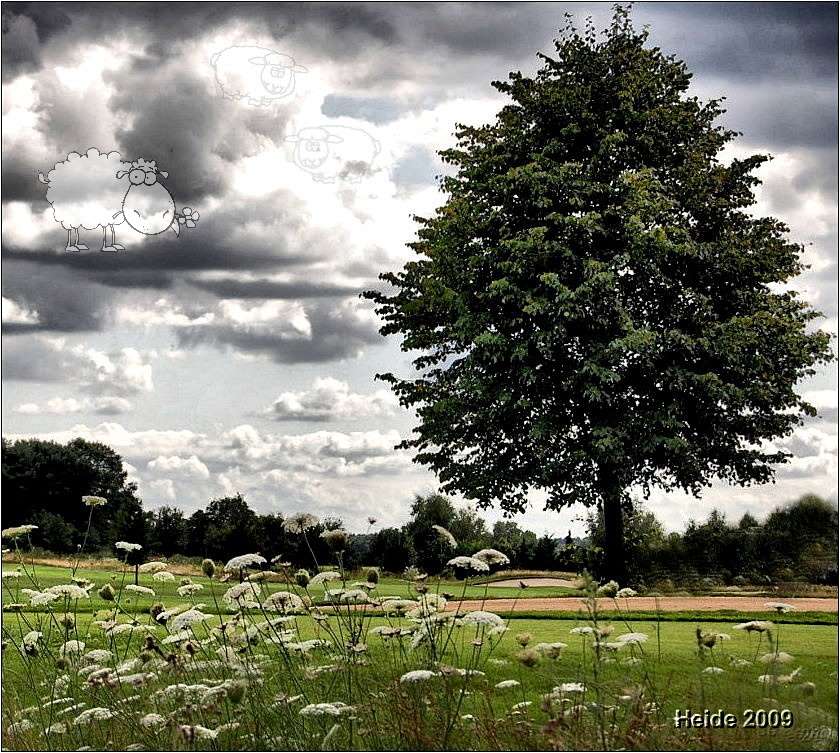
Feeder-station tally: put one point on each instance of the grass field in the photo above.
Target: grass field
(255, 685)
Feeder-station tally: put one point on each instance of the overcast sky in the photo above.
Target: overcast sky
(237, 357)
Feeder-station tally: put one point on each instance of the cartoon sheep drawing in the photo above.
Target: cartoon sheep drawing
(95, 189)
(334, 152)
(256, 74)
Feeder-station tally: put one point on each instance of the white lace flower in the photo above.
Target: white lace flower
(16, 532)
(97, 713)
(152, 720)
(626, 593)
(505, 684)
(632, 638)
(469, 563)
(154, 566)
(283, 601)
(140, 590)
(244, 560)
(163, 576)
(93, 501)
(418, 675)
(127, 546)
(324, 577)
(779, 606)
(492, 557)
(70, 590)
(337, 708)
(713, 671)
(188, 589)
(300, 522)
(480, 617)
(186, 619)
(72, 647)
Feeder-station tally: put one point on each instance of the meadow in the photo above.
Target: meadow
(295, 660)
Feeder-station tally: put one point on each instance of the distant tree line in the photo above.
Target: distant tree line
(44, 482)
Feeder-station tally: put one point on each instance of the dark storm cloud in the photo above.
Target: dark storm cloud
(65, 300)
(231, 288)
(335, 334)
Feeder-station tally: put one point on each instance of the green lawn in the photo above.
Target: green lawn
(667, 667)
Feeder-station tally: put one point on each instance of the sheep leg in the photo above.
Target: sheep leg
(114, 240)
(111, 247)
(73, 246)
(80, 246)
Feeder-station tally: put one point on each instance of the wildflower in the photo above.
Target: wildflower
(631, 661)
(632, 638)
(16, 728)
(39, 598)
(140, 590)
(337, 708)
(610, 588)
(97, 655)
(152, 720)
(11, 574)
(32, 637)
(738, 662)
(779, 606)
(505, 684)
(583, 630)
(242, 593)
(16, 532)
(186, 619)
(780, 679)
(480, 617)
(570, 687)
(152, 567)
(418, 675)
(324, 577)
(208, 567)
(492, 557)
(754, 626)
(551, 650)
(356, 596)
(59, 728)
(127, 546)
(335, 539)
(713, 671)
(72, 647)
(469, 563)
(163, 576)
(92, 501)
(626, 593)
(445, 536)
(778, 657)
(300, 522)
(188, 589)
(283, 601)
(244, 560)
(97, 713)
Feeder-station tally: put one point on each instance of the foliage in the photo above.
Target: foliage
(44, 482)
(593, 306)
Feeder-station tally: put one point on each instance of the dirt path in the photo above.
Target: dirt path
(648, 604)
(535, 582)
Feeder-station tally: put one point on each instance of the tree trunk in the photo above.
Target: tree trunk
(614, 532)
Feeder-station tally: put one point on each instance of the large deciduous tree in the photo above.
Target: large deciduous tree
(595, 307)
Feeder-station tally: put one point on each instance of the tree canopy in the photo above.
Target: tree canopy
(594, 307)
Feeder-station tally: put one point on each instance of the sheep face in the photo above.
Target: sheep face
(277, 79)
(149, 209)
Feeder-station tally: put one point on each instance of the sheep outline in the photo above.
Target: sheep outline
(334, 152)
(88, 191)
(256, 74)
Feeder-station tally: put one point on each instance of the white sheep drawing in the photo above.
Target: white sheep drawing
(256, 74)
(89, 191)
